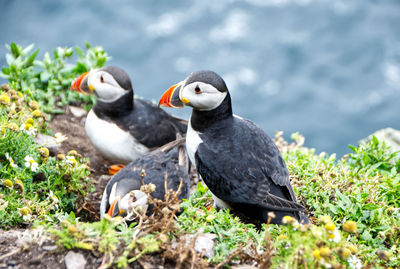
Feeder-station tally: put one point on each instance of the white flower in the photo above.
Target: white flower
(354, 262)
(336, 235)
(53, 197)
(31, 163)
(70, 160)
(30, 131)
(10, 159)
(27, 217)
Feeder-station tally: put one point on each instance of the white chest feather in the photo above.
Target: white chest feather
(193, 141)
(113, 143)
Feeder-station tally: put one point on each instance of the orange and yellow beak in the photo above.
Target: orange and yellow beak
(80, 84)
(171, 98)
(114, 209)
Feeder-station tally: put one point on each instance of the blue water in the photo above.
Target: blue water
(328, 69)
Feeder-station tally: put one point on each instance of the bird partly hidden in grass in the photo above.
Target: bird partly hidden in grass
(121, 127)
(165, 168)
(236, 159)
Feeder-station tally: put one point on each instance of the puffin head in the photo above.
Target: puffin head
(134, 199)
(202, 90)
(108, 83)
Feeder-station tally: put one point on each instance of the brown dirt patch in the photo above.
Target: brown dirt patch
(74, 129)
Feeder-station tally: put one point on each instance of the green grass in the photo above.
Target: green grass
(353, 202)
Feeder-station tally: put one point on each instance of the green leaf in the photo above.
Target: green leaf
(28, 49)
(333, 209)
(353, 148)
(80, 53)
(44, 76)
(15, 51)
(100, 62)
(375, 140)
(10, 59)
(46, 58)
(370, 206)
(366, 236)
(31, 58)
(5, 70)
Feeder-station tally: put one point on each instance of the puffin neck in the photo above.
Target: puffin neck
(202, 120)
(117, 108)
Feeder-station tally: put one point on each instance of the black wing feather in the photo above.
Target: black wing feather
(260, 177)
(150, 125)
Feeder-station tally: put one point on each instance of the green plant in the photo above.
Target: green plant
(48, 81)
(361, 187)
(373, 157)
(34, 185)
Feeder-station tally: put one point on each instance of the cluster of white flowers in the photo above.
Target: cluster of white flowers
(31, 163)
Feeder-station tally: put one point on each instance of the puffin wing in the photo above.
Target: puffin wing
(152, 126)
(245, 166)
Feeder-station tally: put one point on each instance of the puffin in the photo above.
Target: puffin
(121, 127)
(237, 160)
(167, 164)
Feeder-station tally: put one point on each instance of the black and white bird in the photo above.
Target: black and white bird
(120, 127)
(123, 192)
(236, 159)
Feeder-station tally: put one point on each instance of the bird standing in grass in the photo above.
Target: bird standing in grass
(236, 159)
(120, 127)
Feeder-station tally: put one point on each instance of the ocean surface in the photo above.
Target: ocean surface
(329, 69)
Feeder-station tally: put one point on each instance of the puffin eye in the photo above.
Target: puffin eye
(101, 79)
(197, 90)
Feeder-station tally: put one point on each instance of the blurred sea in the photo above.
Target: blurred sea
(329, 69)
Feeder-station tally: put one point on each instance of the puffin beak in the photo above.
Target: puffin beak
(80, 84)
(114, 208)
(171, 97)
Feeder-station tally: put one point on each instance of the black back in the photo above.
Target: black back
(150, 125)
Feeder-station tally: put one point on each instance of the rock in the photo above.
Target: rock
(74, 260)
(50, 248)
(47, 141)
(389, 135)
(204, 243)
(77, 111)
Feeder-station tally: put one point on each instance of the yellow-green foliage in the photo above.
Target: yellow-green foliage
(33, 185)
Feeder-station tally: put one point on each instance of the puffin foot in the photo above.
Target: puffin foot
(115, 168)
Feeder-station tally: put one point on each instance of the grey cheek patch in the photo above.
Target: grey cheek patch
(175, 100)
(84, 85)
